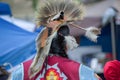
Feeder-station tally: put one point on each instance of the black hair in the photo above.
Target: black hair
(4, 74)
(58, 45)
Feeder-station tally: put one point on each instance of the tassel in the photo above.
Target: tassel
(71, 42)
(92, 33)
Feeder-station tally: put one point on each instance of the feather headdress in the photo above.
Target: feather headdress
(64, 11)
(53, 9)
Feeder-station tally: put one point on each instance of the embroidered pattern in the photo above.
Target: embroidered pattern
(53, 73)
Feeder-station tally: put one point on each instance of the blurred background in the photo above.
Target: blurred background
(18, 32)
(25, 8)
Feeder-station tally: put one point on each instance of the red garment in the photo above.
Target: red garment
(112, 70)
(66, 66)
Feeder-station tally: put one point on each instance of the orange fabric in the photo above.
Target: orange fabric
(44, 37)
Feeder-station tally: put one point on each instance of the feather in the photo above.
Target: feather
(71, 42)
(50, 8)
(92, 33)
(42, 52)
(58, 16)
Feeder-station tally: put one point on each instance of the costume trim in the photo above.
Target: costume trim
(86, 73)
(18, 74)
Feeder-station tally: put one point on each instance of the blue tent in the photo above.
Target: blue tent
(16, 44)
(5, 9)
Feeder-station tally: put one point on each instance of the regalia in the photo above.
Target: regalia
(65, 12)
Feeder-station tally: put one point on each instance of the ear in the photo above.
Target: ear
(60, 34)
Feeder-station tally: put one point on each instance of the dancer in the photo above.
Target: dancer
(51, 61)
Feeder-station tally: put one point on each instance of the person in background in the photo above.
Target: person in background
(112, 70)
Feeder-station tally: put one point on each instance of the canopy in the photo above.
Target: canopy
(5, 9)
(16, 44)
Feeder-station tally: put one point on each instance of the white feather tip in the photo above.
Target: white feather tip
(71, 42)
(92, 33)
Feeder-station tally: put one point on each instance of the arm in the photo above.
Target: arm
(87, 73)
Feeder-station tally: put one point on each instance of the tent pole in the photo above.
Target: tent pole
(113, 38)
